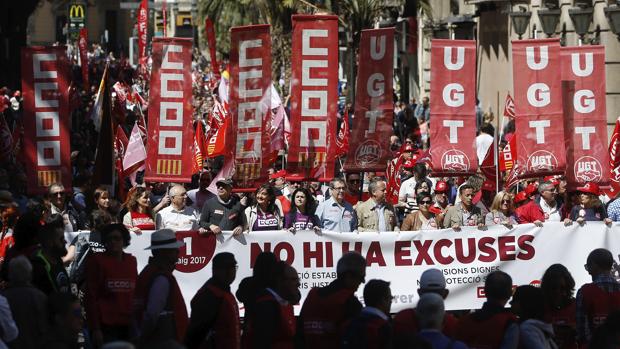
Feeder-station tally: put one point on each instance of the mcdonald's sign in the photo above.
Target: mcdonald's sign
(76, 13)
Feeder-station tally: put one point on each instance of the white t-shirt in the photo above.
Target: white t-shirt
(483, 142)
(552, 214)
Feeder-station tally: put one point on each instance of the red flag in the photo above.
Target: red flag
(170, 131)
(538, 107)
(83, 45)
(199, 148)
(119, 106)
(143, 25)
(277, 130)
(614, 156)
(508, 155)
(135, 153)
(488, 165)
(342, 139)
(314, 95)
(453, 130)
(509, 107)
(392, 174)
(216, 144)
(45, 85)
(514, 175)
(120, 144)
(374, 105)
(210, 34)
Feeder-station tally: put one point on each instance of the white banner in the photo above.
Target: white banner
(465, 257)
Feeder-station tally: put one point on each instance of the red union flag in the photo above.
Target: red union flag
(46, 117)
(453, 94)
(369, 148)
(314, 95)
(538, 107)
(143, 19)
(250, 102)
(83, 45)
(170, 133)
(585, 114)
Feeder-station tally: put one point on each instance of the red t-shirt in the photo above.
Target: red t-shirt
(529, 213)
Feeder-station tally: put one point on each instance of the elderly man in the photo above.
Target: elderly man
(335, 213)
(177, 216)
(58, 203)
(464, 213)
(375, 214)
(223, 212)
(548, 202)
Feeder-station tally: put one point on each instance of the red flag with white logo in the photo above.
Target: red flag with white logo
(45, 72)
(453, 94)
(250, 103)
(614, 157)
(143, 23)
(342, 139)
(509, 107)
(508, 155)
(200, 148)
(171, 135)
(314, 95)
(538, 107)
(120, 144)
(374, 102)
(585, 114)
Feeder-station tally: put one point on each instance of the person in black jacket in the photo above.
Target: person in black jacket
(223, 212)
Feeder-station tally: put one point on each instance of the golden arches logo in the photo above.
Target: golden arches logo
(76, 11)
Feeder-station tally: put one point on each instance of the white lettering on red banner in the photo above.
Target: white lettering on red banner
(170, 140)
(46, 117)
(453, 94)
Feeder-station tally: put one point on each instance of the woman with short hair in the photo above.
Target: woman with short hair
(423, 218)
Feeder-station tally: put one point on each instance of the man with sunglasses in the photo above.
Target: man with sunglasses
(548, 202)
(58, 204)
(223, 212)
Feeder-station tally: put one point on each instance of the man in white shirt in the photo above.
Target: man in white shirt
(178, 216)
(548, 203)
(484, 141)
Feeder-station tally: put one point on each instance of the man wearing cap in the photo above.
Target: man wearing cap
(201, 195)
(464, 213)
(406, 321)
(406, 194)
(375, 214)
(177, 216)
(550, 206)
(335, 213)
(215, 314)
(529, 211)
(160, 311)
(441, 196)
(223, 212)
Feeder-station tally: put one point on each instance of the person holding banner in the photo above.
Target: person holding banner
(590, 208)
(302, 216)
(464, 213)
(376, 214)
(335, 213)
(265, 214)
(502, 211)
(223, 212)
(548, 202)
(140, 215)
(178, 216)
(422, 219)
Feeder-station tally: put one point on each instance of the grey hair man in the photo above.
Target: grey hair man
(335, 213)
(549, 203)
(376, 214)
(178, 216)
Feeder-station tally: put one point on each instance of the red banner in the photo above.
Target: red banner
(453, 92)
(210, 34)
(314, 95)
(538, 107)
(250, 103)
(45, 72)
(369, 148)
(143, 25)
(585, 115)
(171, 137)
(614, 157)
(508, 155)
(83, 46)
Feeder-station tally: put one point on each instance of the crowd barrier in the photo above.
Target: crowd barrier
(464, 257)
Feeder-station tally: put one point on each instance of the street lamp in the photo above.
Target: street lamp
(549, 20)
(613, 17)
(581, 18)
(520, 20)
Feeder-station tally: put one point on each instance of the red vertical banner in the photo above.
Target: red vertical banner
(143, 22)
(369, 146)
(314, 95)
(83, 46)
(453, 114)
(210, 34)
(538, 107)
(585, 114)
(250, 103)
(170, 133)
(45, 73)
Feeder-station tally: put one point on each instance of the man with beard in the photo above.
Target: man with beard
(48, 272)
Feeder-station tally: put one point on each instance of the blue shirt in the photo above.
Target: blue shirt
(336, 217)
(613, 210)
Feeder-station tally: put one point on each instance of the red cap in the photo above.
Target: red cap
(488, 186)
(295, 177)
(590, 188)
(520, 197)
(281, 173)
(408, 164)
(441, 186)
(530, 189)
(552, 179)
(434, 209)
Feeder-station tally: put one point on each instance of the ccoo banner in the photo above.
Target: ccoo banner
(453, 92)
(369, 148)
(314, 95)
(538, 106)
(170, 133)
(250, 98)
(585, 115)
(464, 258)
(45, 73)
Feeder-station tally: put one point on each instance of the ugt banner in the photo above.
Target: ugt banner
(538, 106)
(250, 102)
(453, 92)
(83, 46)
(45, 85)
(585, 115)
(369, 148)
(465, 258)
(170, 133)
(314, 95)
(143, 22)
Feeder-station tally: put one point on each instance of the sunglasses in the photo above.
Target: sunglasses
(426, 202)
(505, 201)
